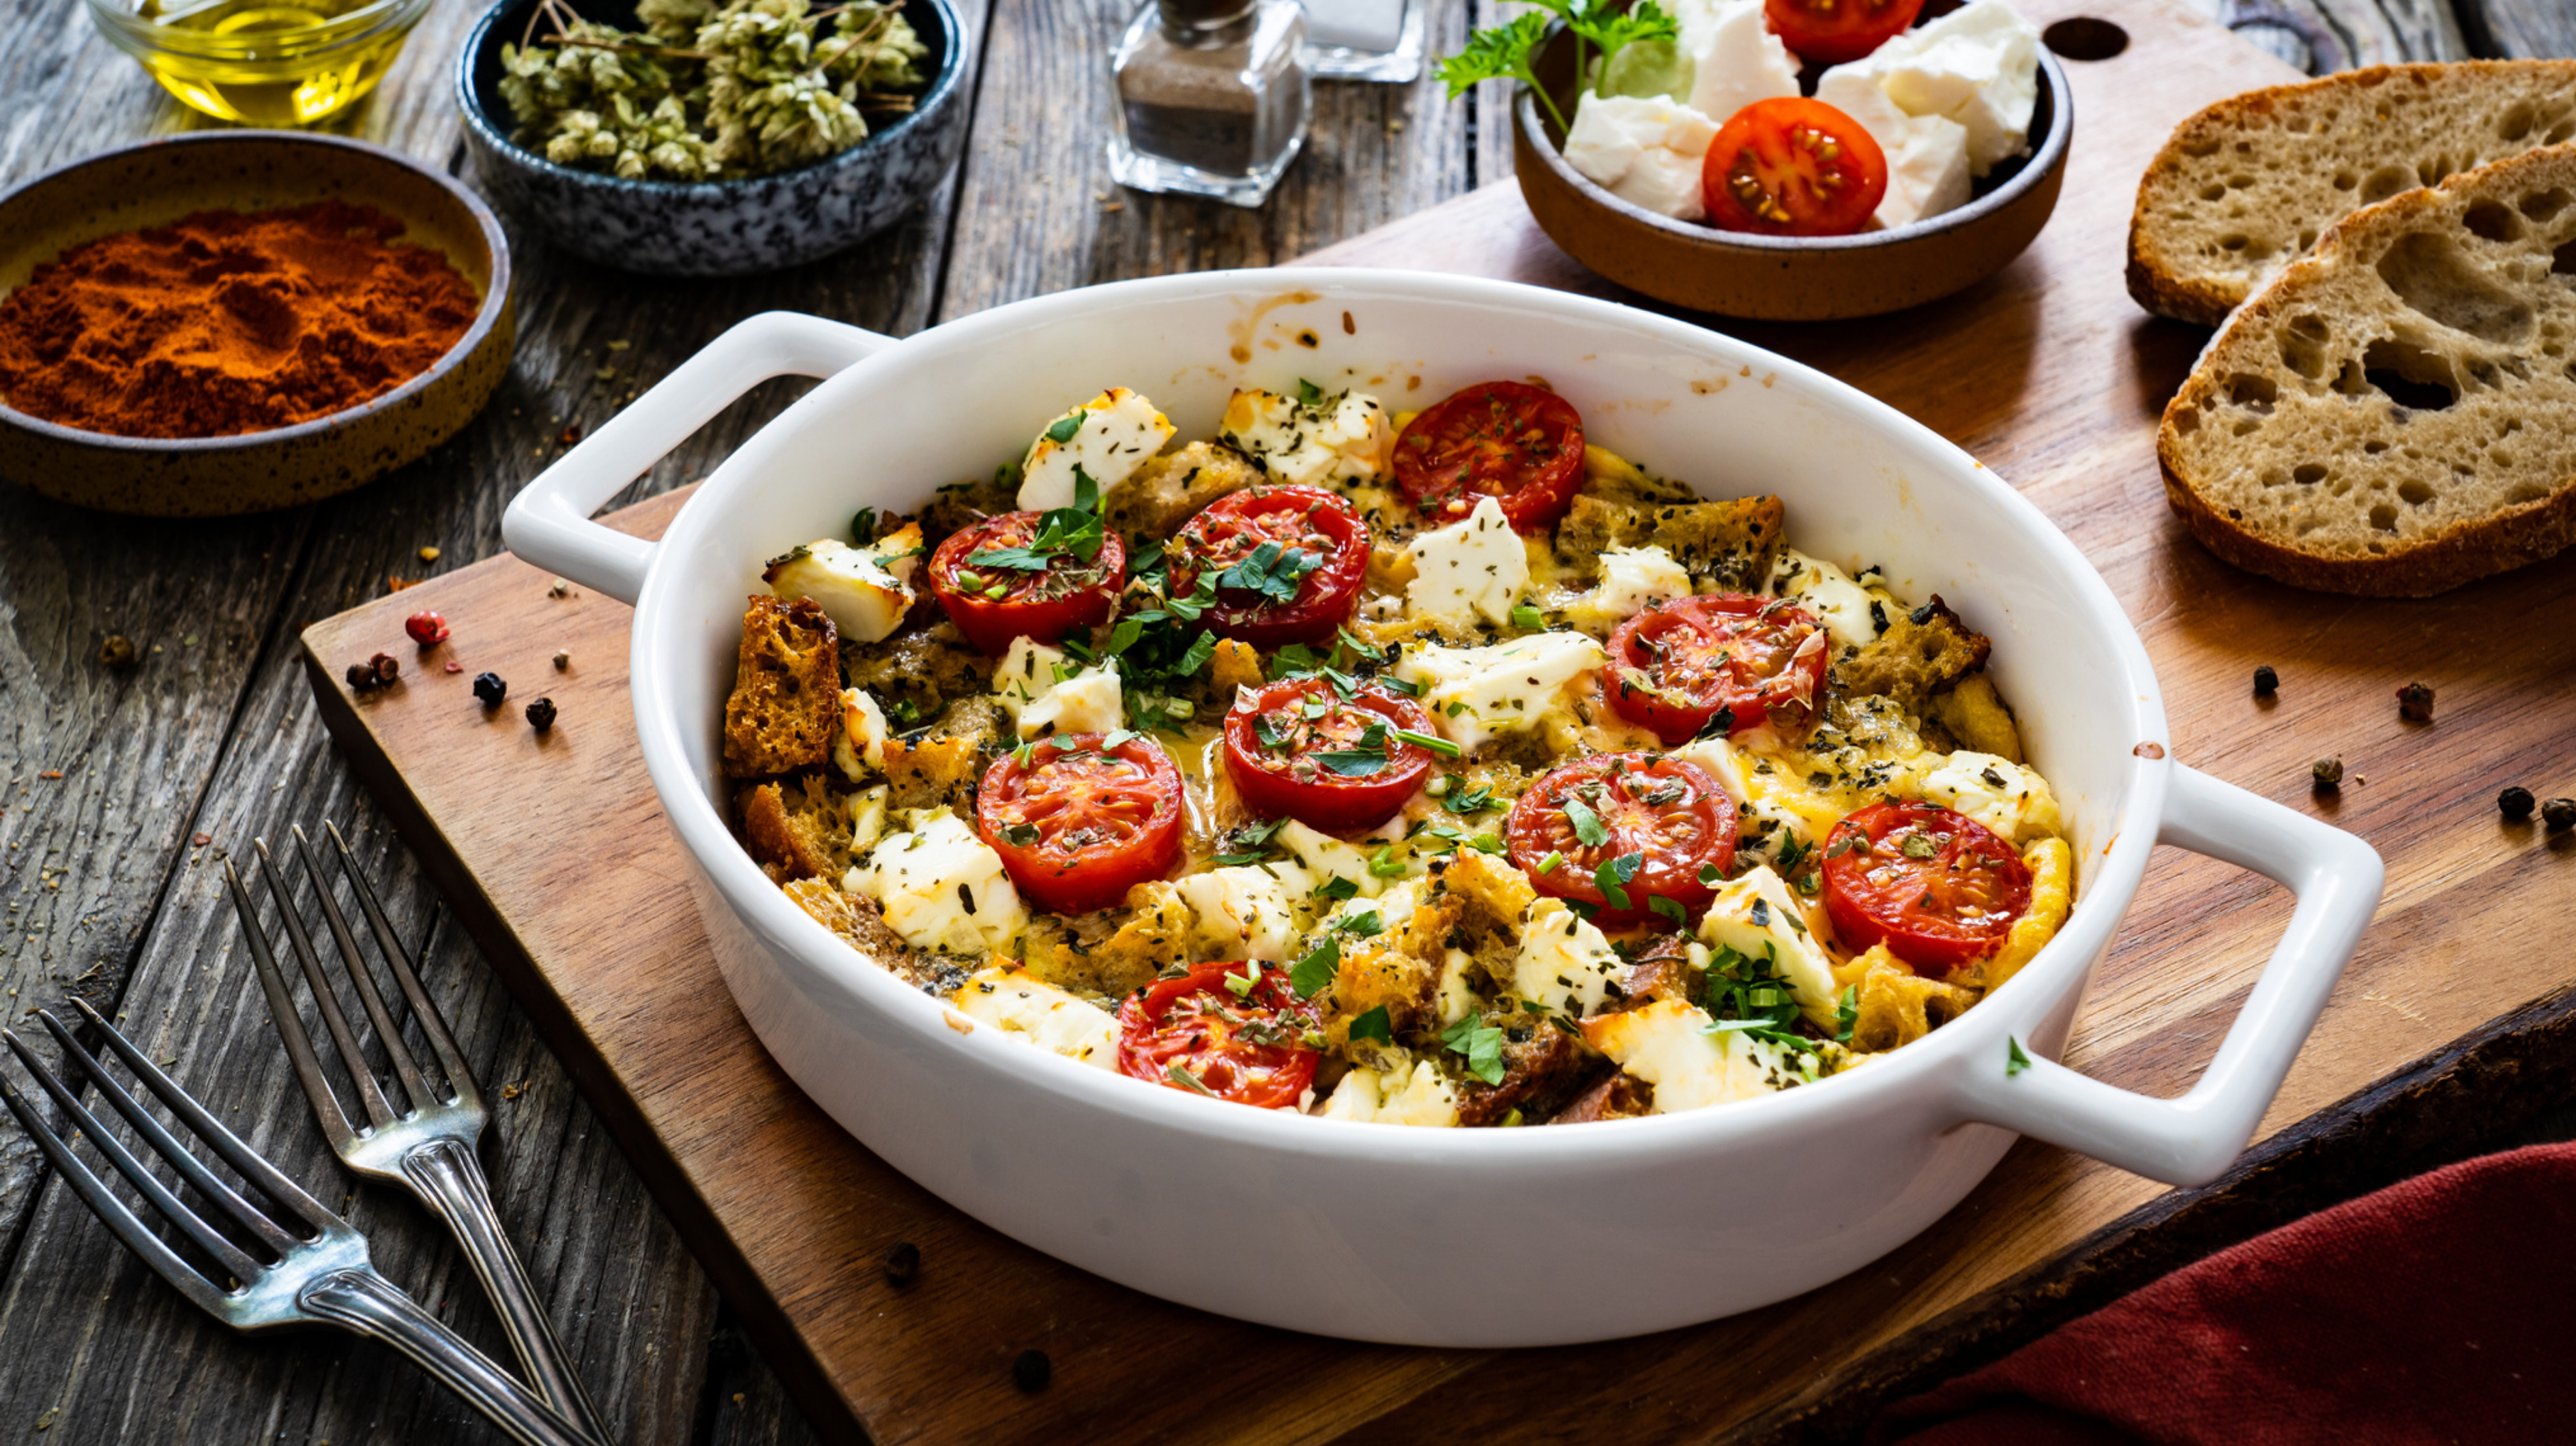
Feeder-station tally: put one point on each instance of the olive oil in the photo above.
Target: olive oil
(265, 63)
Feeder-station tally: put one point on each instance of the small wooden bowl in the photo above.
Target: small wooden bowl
(1788, 278)
(159, 181)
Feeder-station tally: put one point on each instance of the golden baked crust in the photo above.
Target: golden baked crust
(786, 693)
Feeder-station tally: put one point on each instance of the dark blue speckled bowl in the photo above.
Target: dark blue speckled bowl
(717, 228)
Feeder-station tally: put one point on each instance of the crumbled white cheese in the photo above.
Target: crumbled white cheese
(1419, 1097)
(1339, 437)
(1456, 991)
(1737, 59)
(858, 746)
(1758, 914)
(1247, 911)
(2004, 796)
(1927, 156)
(1564, 961)
(1115, 433)
(868, 819)
(1045, 695)
(1472, 568)
(1977, 66)
(1476, 695)
(1646, 151)
(1631, 578)
(1668, 1045)
(865, 590)
(1325, 858)
(941, 887)
(1018, 1002)
(1838, 602)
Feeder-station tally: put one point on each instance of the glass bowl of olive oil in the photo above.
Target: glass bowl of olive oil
(262, 62)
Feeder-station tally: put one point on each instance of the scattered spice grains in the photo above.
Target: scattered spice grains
(559, 588)
(201, 840)
(2415, 703)
(1032, 1370)
(2327, 771)
(903, 1263)
(541, 714)
(375, 672)
(2559, 814)
(2266, 681)
(490, 688)
(563, 660)
(429, 554)
(426, 628)
(2516, 803)
(117, 653)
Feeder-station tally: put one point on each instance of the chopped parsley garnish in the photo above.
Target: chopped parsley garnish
(2014, 1060)
(1271, 571)
(1074, 532)
(863, 526)
(1250, 844)
(1363, 925)
(1385, 865)
(1062, 430)
(1613, 875)
(1441, 746)
(1309, 394)
(1179, 1074)
(1587, 825)
(1473, 800)
(1670, 909)
(1337, 889)
(1527, 618)
(1309, 975)
(1373, 1024)
(1847, 1014)
(1751, 995)
(1481, 1043)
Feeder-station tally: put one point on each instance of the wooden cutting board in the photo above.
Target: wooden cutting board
(2454, 1023)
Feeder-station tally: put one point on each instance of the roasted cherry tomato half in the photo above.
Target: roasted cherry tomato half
(1196, 1033)
(1659, 821)
(1829, 32)
(1000, 597)
(1938, 888)
(1676, 666)
(1081, 821)
(1790, 166)
(1288, 562)
(1520, 445)
(1302, 750)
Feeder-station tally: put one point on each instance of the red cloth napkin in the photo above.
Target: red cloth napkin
(2439, 1310)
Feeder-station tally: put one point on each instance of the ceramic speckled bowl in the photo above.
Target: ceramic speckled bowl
(1789, 278)
(160, 181)
(716, 228)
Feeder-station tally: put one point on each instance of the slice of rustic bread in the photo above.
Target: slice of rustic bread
(2242, 188)
(2395, 414)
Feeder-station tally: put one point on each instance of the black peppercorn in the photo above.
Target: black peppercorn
(117, 652)
(903, 1263)
(2516, 803)
(490, 688)
(1032, 1370)
(2266, 681)
(541, 714)
(2415, 703)
(2559, 814)
(361, 677)
(2327, 771)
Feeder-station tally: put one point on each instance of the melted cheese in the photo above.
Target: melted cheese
(941, 887)
(1632, 579)
(2004, 796)
(1475, 695)
(1247, 911)
(858, 748)
(865, 590)
(1564, 962)
(1419, 1096)
(1470, 569)
(1115, 433)
(1018, 1002)
(1044, 695)
(1342, 437)
(1668, 1045)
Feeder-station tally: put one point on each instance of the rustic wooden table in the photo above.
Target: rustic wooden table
(124, 792)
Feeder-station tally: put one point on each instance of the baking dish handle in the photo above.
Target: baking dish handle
(549, 524)
(2191, 1140)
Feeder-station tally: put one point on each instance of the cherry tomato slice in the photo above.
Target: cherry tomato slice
(993, 604)
(1790, 166)
(1829, 32)
(1299, 748)
(1676, 666)
(1300, 589)
(1938, 888)
(1082, 822)
(1668, 816)
(1195, 1033)
(1520, 445)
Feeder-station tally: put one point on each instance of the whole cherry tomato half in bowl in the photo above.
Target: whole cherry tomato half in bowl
(1791, 166)
(1829, 32)
(1615, 832)
(1012, 577)
(1287, 563)
(1079, 820)
(1303, 749)
(1518, 444)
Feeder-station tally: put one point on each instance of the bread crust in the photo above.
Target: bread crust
(2162, 282)
(2499, 540)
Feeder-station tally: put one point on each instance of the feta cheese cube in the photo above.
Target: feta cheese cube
(2004, 796)
(1645, 150)
(1668, 1045)
(1758, 915)
(1469, 569)
(858, 750)
(1247, 911)
(941, 887)
(1018, 1002)
(1045, 695)
(1739, 62)
(1338, 437)
(1977, 66)
(1838, 602)
(1476, 695)
(1112, 435)
(1631, 578)
(864, 590)
(1564, 961)
(1325, 858)
(1927, 156)
(1419, 1096)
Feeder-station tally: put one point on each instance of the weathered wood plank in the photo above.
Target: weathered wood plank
(2524, 29)
(2322, 36)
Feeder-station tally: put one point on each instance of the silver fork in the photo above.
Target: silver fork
(325, 1280)
(428, 1147)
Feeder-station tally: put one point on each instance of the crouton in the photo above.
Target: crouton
(798, 830)
(1374, 975)
(930, 667)
(943, 764)
(1898, 1006)
(1544, 1067)
(1977, 717)
(1621, 1096)
(1921, 653)
(855, 918)
(1116, 951)
(1236, 665)
(1170, 489)
(1724, 546)
(786, 703)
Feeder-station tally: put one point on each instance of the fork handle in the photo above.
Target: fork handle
(368, 1304)
(447, 1177)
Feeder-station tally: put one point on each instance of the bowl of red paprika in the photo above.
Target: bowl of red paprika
(227, 322)
(1785, 277)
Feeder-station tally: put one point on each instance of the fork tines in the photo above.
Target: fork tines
(419, 1089)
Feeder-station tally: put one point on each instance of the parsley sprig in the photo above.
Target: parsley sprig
(1503, 52)
(1074, 532)
(1481, 1043)
(1751, 995)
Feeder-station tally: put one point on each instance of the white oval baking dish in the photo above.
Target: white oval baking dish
(1437, 1237)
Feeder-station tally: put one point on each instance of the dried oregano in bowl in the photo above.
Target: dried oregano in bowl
(707, 91)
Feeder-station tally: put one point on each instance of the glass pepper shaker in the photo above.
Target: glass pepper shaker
(1379, 40)
(1213, 98)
